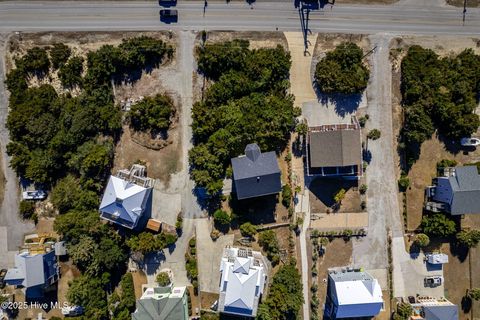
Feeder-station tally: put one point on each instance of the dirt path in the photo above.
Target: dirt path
(16, 228)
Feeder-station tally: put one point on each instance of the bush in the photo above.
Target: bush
(403, 183)
(163, 279)
(474, 294)
(422, 240)
(70, 74)
(286, 195)
(362, 121)
(248, 230)
(35, 61)
(441, 165)
(27, 209)
(192, 243)
(268, 241)
(222, 217)
(469, 238)
(438, 225)
(404, 311)
(215, 234)
(339, 196)
(59, 54)
(374, 134)
(342, 70)
(152, 114)
(363, 188)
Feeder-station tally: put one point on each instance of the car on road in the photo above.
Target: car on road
(3, 273)
(168, 15)
(470, 142)
(433, 281)
(34, 195)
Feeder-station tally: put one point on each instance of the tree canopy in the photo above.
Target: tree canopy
(342, 70)
(285, 296)
(248, 102)
(438, 225)
(438, 93)
(152, 114)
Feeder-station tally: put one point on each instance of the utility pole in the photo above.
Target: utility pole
(464, 11)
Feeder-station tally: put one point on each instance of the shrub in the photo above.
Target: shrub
(442, 164)
(163, 279)
(374, 134)
(469, 238)
(438, 225)
(422, 240)
(342, 70)
(268, 241)
(27, 209)
(339, 196)
(403, 183)
(59, 54)
(222, 217)
(248, 230)
(404, 311)
(286, 195)
(192, 243)
(363, 189)
(363, 204)
(70, 74)
(362, 121)
(152, 114)
(474, 294)
(215, 234)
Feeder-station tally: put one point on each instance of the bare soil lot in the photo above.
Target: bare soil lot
(323, 190)
(257, 39)
(338, 254)
(459, 3)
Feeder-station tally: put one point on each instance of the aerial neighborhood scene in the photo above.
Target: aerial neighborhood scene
(232, 159)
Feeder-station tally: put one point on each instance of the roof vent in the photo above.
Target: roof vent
(252, 151)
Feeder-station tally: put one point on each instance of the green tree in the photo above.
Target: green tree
(403, 183)
(374, 134)
(152, 114)
(88, 292)
(93, 159)
(268, 241)
(438, 225)
(27, 209)
(285, 295)
(146, 242)
(469, 238)
(342, 70)
(422, 240)
(163, 279)
(286, 195)
(59, 53)
(474, 294)
(222, 217)
(35, 61)
(404, 311)
(69, 194)
(248, 230)
(70, 73)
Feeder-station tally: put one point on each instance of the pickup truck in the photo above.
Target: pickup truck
(433, 281)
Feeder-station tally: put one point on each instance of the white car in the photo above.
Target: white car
(433, 281)
(470, 142)
(34, 195)
(72, 311)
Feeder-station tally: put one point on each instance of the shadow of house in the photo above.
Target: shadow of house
(260, 210)
(325, 189)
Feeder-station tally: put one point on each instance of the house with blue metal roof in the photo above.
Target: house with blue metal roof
(256, 174)
(126, 198)
(35, 273)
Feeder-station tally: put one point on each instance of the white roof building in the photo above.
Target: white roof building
(353, 294)
(125, 197)
(242, 281)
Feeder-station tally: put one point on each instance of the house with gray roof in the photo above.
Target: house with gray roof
(427, 308)
(162, 303)
(458, 190)
(256, 174)
(352, 293)
(34, 273)
(242, 281)
(334, 150)
(126, 198)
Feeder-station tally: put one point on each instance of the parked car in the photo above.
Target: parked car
(470, 142)
(72, 311)
(34, 195)
(411, 299)
(3, 272)
(168, 15)
(433, 281)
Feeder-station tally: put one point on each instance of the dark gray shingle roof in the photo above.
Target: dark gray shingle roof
(466, 190)
(442, 312)
(255, 173)
(337, 148)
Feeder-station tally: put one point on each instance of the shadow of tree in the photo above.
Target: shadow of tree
(260, 210)
(466, 304)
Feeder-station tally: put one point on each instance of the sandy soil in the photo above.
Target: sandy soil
(257, 39)
(459, 3)
(322, 192)
(139, 279)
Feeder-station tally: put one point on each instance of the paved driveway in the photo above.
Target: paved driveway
(209, 255)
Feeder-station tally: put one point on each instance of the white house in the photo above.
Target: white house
(352, 293)
(242, 281)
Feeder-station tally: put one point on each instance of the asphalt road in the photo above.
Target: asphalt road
(262, 16)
